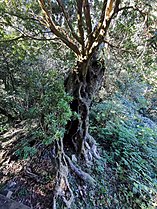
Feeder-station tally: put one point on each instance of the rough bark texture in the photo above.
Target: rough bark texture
(82, 83)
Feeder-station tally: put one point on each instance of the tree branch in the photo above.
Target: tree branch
(100, 23)
(88, 21)
(56, 29)
(108, 9)
(68, 21)
(24, 37)
(103, 24)
(80, 24)
(117, 9)
(13, 39)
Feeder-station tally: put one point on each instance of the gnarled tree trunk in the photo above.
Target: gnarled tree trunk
(83, 38)
(82, 83)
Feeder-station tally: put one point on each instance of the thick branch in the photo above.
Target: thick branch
(56, 29)
(100, 23)
(88, 20)
(68, 21)
(96, 32)
(109, 8)
(80, 23)
(116, 8)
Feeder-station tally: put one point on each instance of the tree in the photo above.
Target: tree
(86, 77)
(76, 24)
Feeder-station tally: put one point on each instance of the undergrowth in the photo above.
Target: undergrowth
(128, 142)
(126, 174)
(44, 105)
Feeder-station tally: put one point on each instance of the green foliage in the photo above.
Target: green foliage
(3, 125)
(47, 107)
(32, 90)
(25, 151)
(129, 143)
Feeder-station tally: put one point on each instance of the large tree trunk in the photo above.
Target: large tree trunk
(82, 83)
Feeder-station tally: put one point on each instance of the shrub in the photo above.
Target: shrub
(129, 144)
(46, 108)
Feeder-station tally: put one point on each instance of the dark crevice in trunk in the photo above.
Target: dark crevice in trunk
(82, 83)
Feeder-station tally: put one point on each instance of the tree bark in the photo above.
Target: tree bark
(82, 83)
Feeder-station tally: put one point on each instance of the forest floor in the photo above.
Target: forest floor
(31, 181)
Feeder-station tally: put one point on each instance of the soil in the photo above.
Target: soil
(29, 181)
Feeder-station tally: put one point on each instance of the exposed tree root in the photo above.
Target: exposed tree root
(62, 187)
(83, 175)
